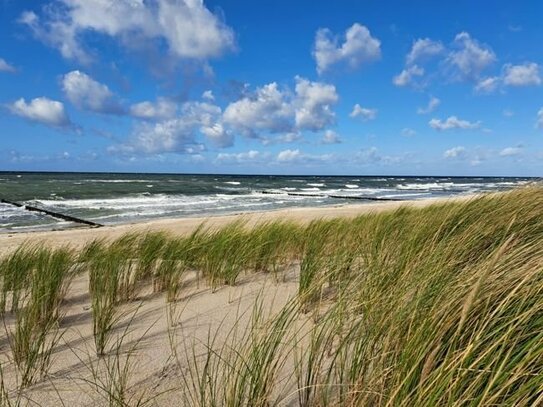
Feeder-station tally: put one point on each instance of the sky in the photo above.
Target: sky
(272, 86)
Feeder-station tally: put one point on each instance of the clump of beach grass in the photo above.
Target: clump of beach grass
(36, 328)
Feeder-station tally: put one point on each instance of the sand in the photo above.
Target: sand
(182, 226)
(160, 339)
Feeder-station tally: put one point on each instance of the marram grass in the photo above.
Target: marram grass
(437, 306)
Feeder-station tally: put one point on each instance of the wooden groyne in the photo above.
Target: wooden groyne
(57, 215)
(359, 198)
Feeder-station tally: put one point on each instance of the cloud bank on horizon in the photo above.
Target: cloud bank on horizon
(194, 86)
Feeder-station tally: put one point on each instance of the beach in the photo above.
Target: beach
(264, 308)
(79, 236)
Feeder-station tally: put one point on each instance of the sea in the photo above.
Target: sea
(115, 198)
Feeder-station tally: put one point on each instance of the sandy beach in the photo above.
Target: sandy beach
(217, 338)
(181, 226)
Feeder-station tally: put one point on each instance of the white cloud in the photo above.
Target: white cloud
(249, 157)
(313, 104)
(42, 110)
(208, 95)
(218, 135)
(539, 122)
(453, 122)
(469, 58)
(179, 135)
(5, 67)
(372, 156)
(522, 75)
(289, 155)
(407, 75)
(424, 48)
(161, 109)
(290, 137)
(433, 103)
(407, 132)
(363, 113)
(173, 135)
(455, 152)
(487, 85)
(187, 27)
(268, 109)
(88, 94)
(330, 137)
(272, 110)
(298, 157)
(511, 151)
(357, 48)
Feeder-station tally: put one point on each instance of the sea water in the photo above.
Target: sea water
(109, 198)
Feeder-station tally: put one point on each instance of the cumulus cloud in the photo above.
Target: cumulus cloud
(174, 135)
(288, 155)
(363, 113)
(218, 135)
(88, 94)
(208, 95)
(422, 49)
(330, 137)
(357, 47)
(406, 77)
(372, 156)
(249, 157)
(162, 109)
(42, 110)
(521, 75)
(290, 137)
(187, 27)
(268, 109)
(433, 103)
(455, 152)
(6, 67)
(487, 85)
(273, 110)
(465, 59)
(179, 134)
(511, 151)
(313, 104)
(296, 156)
(453, 122)
(270, 114)
(469, 58)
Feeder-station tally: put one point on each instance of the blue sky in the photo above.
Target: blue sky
(272, 86)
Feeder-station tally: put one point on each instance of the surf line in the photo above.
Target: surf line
(360, 198)
(51, 213)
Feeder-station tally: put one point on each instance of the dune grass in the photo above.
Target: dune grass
(36, 331)
(441, 305)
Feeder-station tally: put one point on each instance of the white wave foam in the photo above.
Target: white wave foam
(427, 186)
(352, 186)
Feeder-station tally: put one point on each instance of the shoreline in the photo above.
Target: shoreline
(78, 236)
